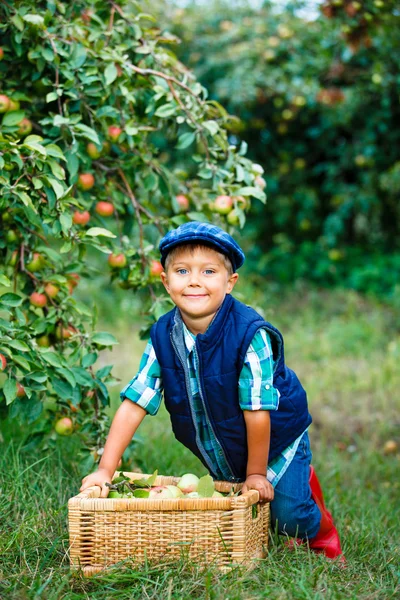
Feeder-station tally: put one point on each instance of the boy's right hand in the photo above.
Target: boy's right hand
(100, 478)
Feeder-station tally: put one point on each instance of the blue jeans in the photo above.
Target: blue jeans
(293, 511)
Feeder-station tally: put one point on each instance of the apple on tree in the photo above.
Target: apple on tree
(183, 202)
(223, 205)
(64, 426)
(93, 151)
(64, 333)
(24, 127)
(1, 53)
(81, 218)
(51, 290)
(156, 268)
(85, 181)
(36, 264)
(114, 132)
(4, 103)
(3, 362)
(104, 209)
(73, 280)
(20, 390)
(37, 299)
(117, 261)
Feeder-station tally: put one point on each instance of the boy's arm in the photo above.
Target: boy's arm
(258, 428)
(125, 423)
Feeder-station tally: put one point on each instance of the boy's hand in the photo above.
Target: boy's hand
(261, 484)
(100, 478)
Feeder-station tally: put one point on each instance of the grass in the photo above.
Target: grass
(346, 351)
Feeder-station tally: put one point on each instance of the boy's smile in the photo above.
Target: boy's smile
(197, 281)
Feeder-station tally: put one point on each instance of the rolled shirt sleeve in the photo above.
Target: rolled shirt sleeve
(146, 388)
(256, 381)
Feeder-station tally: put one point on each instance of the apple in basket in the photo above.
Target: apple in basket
(188, 483)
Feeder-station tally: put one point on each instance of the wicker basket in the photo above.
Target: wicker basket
(224, 531)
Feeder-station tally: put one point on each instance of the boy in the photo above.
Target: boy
(231, 398)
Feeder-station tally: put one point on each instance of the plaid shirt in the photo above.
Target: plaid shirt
(146, 390)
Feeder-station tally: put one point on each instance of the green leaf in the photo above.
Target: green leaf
(89, 359)
(22, 362)
(145, 482)
(4, 281)
(211, 126)
(18, 345)
(26, 200)
(252, 191)
(52, 359)
(110, 73)
(206, 486)
(10, 390)
(11, 299)
(66, 222)
(38, 376)
(62, 388)
(185, 140)
(36, 147)
(37, 20)
(57, 187)
(98, 231)
(13, 118)
(88, 133)
(165, 110)
(82, 376)
(51, 97)
(55, 151)
(141, 493)
(104, 339)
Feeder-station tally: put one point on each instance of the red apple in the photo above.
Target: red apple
(20, 390)
(38, 300)
(4, 103)
(156, 267)
(24, 127)
(3, 362)
(117, 261)
(51, 290)
(90, 394)
(1, 53)
(64, 332)
(93, 151)
(81, 218)
(85, 181)
(105, 209)
(223, 205)
(73, 280)
(36, 264)
(183, 202)
(114, 132)
(14, 105)
(64, 426)
(86, 15)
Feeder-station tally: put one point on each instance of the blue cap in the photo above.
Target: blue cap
(202, 233)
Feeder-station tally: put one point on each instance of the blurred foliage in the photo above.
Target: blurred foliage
(90, 92)
(318, 96)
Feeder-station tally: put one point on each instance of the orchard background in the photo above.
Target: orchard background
(277, 121)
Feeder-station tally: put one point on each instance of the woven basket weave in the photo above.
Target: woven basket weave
(224, 531)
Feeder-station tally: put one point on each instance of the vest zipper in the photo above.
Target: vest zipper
(202, 396)
(189, 394)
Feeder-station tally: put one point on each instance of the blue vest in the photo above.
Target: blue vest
(221, 352)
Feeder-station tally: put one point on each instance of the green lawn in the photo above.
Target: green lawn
(346, 350)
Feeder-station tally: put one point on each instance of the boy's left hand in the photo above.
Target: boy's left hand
(262, 485)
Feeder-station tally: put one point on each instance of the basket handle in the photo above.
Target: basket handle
(91, 492)
(246, 499)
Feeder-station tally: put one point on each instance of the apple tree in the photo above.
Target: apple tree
(316, 87)
(99, 119)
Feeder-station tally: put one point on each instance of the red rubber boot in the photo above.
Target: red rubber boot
(327, 539)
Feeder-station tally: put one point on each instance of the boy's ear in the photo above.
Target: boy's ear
(232, 281)
(164, 280)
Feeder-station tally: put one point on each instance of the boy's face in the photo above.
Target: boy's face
(198, 281)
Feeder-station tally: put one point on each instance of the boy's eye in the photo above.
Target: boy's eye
(209, 271)
(182, 271)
